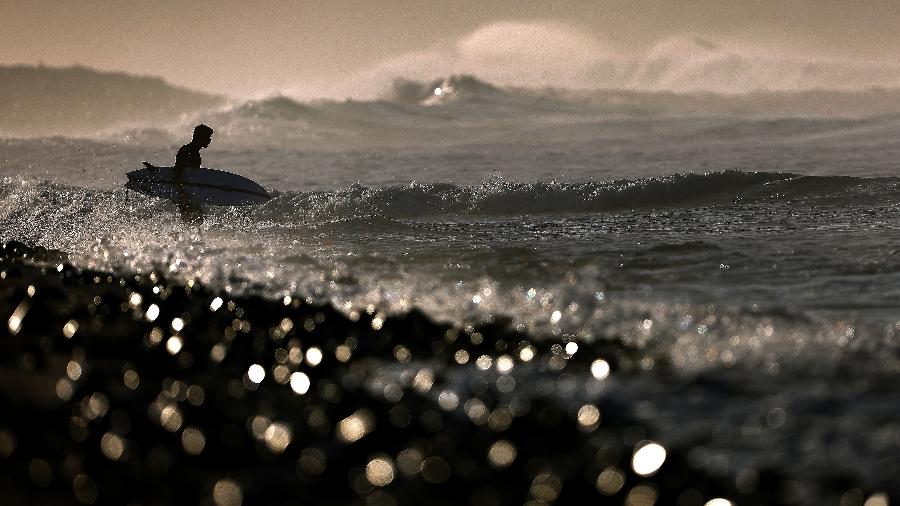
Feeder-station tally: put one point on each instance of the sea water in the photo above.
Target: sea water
(750, 254)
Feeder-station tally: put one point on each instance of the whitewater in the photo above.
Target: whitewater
(746, 242)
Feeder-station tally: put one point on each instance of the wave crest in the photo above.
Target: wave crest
(498, 196)
(536, 55)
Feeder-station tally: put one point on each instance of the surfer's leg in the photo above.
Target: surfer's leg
(190, 213)
(198, 215)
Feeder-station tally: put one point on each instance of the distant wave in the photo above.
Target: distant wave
(499, 71)
(439, 109)
(691, 64)
(542, 54)
(461, 109)
(460, 92)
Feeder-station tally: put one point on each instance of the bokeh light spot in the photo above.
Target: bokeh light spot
(502, 454)
(600, 369)
(227, 493)
(174, 344)
(356, 426)
(648, 458)
(610, 481)
(277, 437)
(380, 471)
(193, 441)
(256, 373)
(112, 446)
(300, 383)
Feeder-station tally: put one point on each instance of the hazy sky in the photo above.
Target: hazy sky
(244, 47)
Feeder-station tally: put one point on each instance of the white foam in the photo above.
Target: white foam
(544, 54)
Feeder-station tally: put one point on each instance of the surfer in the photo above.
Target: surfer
(189, 156)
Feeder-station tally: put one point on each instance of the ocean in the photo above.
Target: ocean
(745, 248)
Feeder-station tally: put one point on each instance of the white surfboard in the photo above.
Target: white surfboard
(196, 185)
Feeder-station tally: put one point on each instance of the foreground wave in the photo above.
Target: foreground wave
(144, 390)
(493, 197)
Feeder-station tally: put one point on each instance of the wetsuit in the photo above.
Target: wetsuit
(188, 156)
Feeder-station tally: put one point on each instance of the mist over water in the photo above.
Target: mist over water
(542, 54)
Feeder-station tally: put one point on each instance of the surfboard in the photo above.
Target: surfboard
(196, 185)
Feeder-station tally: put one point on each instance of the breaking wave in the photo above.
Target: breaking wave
(540, 54)
(350, 247)
(498, 196)
(464, 109)
(42, 205)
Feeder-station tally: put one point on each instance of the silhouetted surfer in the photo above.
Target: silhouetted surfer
(189, 156)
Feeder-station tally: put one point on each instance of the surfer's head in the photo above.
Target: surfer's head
(202, 135)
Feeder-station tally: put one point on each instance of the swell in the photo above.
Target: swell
(33, 205)
(501, 197)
